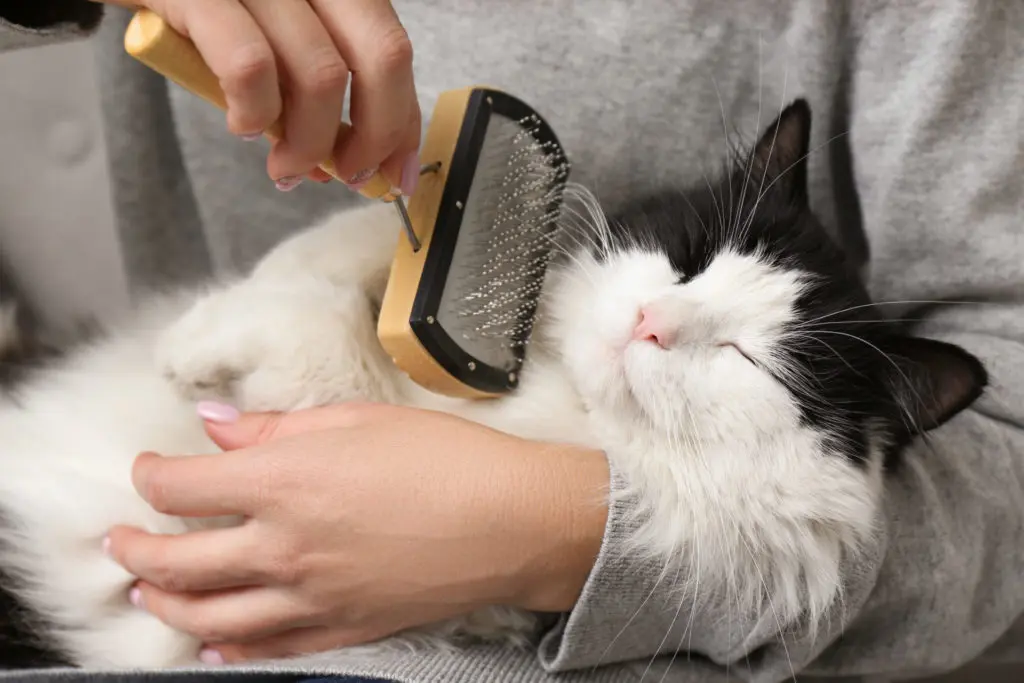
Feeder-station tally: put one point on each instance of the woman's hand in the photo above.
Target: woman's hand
(361, 521)
(293, 59)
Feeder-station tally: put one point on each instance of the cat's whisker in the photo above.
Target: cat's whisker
(771, 605)
(906, 302)
(749, 162)
(668, 631)
(767, 165)
(807, 335)
(578, 243)
(714, 201)
(598, 221)
(727, 221)
(761, 195)
(582, 233)
(908, 383)
(857, 321)
(698, 455)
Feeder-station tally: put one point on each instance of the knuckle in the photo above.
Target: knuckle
(168, 581)
(164, 577)
(207, 630)
(155, 493)
(248, 66)
(267, 486)
(379, 137)
(268, 428)
(212, 627)
(394, 51)
(284, 563)
(326, 74)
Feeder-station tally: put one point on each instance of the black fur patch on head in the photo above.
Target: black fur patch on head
(847, 368)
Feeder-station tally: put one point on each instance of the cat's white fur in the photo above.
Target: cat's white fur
(730, 485)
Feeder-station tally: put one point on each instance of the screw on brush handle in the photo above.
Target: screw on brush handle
(152, 41)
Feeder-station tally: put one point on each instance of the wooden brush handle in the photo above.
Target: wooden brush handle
(152, 41)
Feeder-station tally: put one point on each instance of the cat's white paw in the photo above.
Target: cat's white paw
(209, 347)
(278, 345)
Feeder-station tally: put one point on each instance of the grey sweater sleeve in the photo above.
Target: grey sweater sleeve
(39, 22)
(935, 111)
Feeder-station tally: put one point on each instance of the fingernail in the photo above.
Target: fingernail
(410, 174)
(208, 656)
(106, 545)
(135, 597)
(288, 183)
(220, 413)
(249, 137)
(359, 180)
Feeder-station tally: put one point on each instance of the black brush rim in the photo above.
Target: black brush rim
(483, 104)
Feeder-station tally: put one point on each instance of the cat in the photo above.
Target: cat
(713, 342)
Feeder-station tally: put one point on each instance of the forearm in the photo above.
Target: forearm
(563, 499)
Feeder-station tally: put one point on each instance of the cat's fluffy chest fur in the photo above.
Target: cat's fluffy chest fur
(740, 473)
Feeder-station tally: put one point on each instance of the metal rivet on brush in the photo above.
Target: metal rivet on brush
(458, 205)
(430, 320)
(471, 366)
(512, 377)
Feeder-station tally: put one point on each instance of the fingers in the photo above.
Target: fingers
(234, 47)
(203, 560)
(237, 482)
(290, 61)
(203, 485)
(384, 111)
(315, 79)
(404, 162)
(291, 643)
(224, 616)
(251, 429)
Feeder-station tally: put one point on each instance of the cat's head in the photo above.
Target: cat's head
(725, 311)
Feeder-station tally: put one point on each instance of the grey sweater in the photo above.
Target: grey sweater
(919, 166)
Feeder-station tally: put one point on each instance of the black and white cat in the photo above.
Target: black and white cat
(712, 342)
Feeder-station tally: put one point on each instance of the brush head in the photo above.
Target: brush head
(477, 292)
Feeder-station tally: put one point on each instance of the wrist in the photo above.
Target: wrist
(565, 506)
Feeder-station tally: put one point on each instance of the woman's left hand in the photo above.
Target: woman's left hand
(360, 521)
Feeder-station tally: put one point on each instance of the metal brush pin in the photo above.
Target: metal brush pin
(458, 315)
(494, 284)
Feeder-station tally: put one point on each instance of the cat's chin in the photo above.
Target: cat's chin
(645, 375)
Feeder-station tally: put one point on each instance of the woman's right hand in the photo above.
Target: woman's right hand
(292, 60)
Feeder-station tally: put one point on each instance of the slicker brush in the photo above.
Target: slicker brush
(479, 231)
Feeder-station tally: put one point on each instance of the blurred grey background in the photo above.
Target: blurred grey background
(51, 140)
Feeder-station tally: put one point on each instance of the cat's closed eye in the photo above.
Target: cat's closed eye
(736, 347)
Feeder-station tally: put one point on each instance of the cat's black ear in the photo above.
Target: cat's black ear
(781, 153)
(931, 382)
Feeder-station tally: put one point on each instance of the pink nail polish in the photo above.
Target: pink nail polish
(288, 183)
(359, 180)
(410, 174)
(208, 656)
(135, 597)
(221, 413)
(106, 545)
(249, 137)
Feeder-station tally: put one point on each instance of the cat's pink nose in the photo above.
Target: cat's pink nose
(653, 328)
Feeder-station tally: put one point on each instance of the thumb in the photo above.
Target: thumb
(232, 430)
